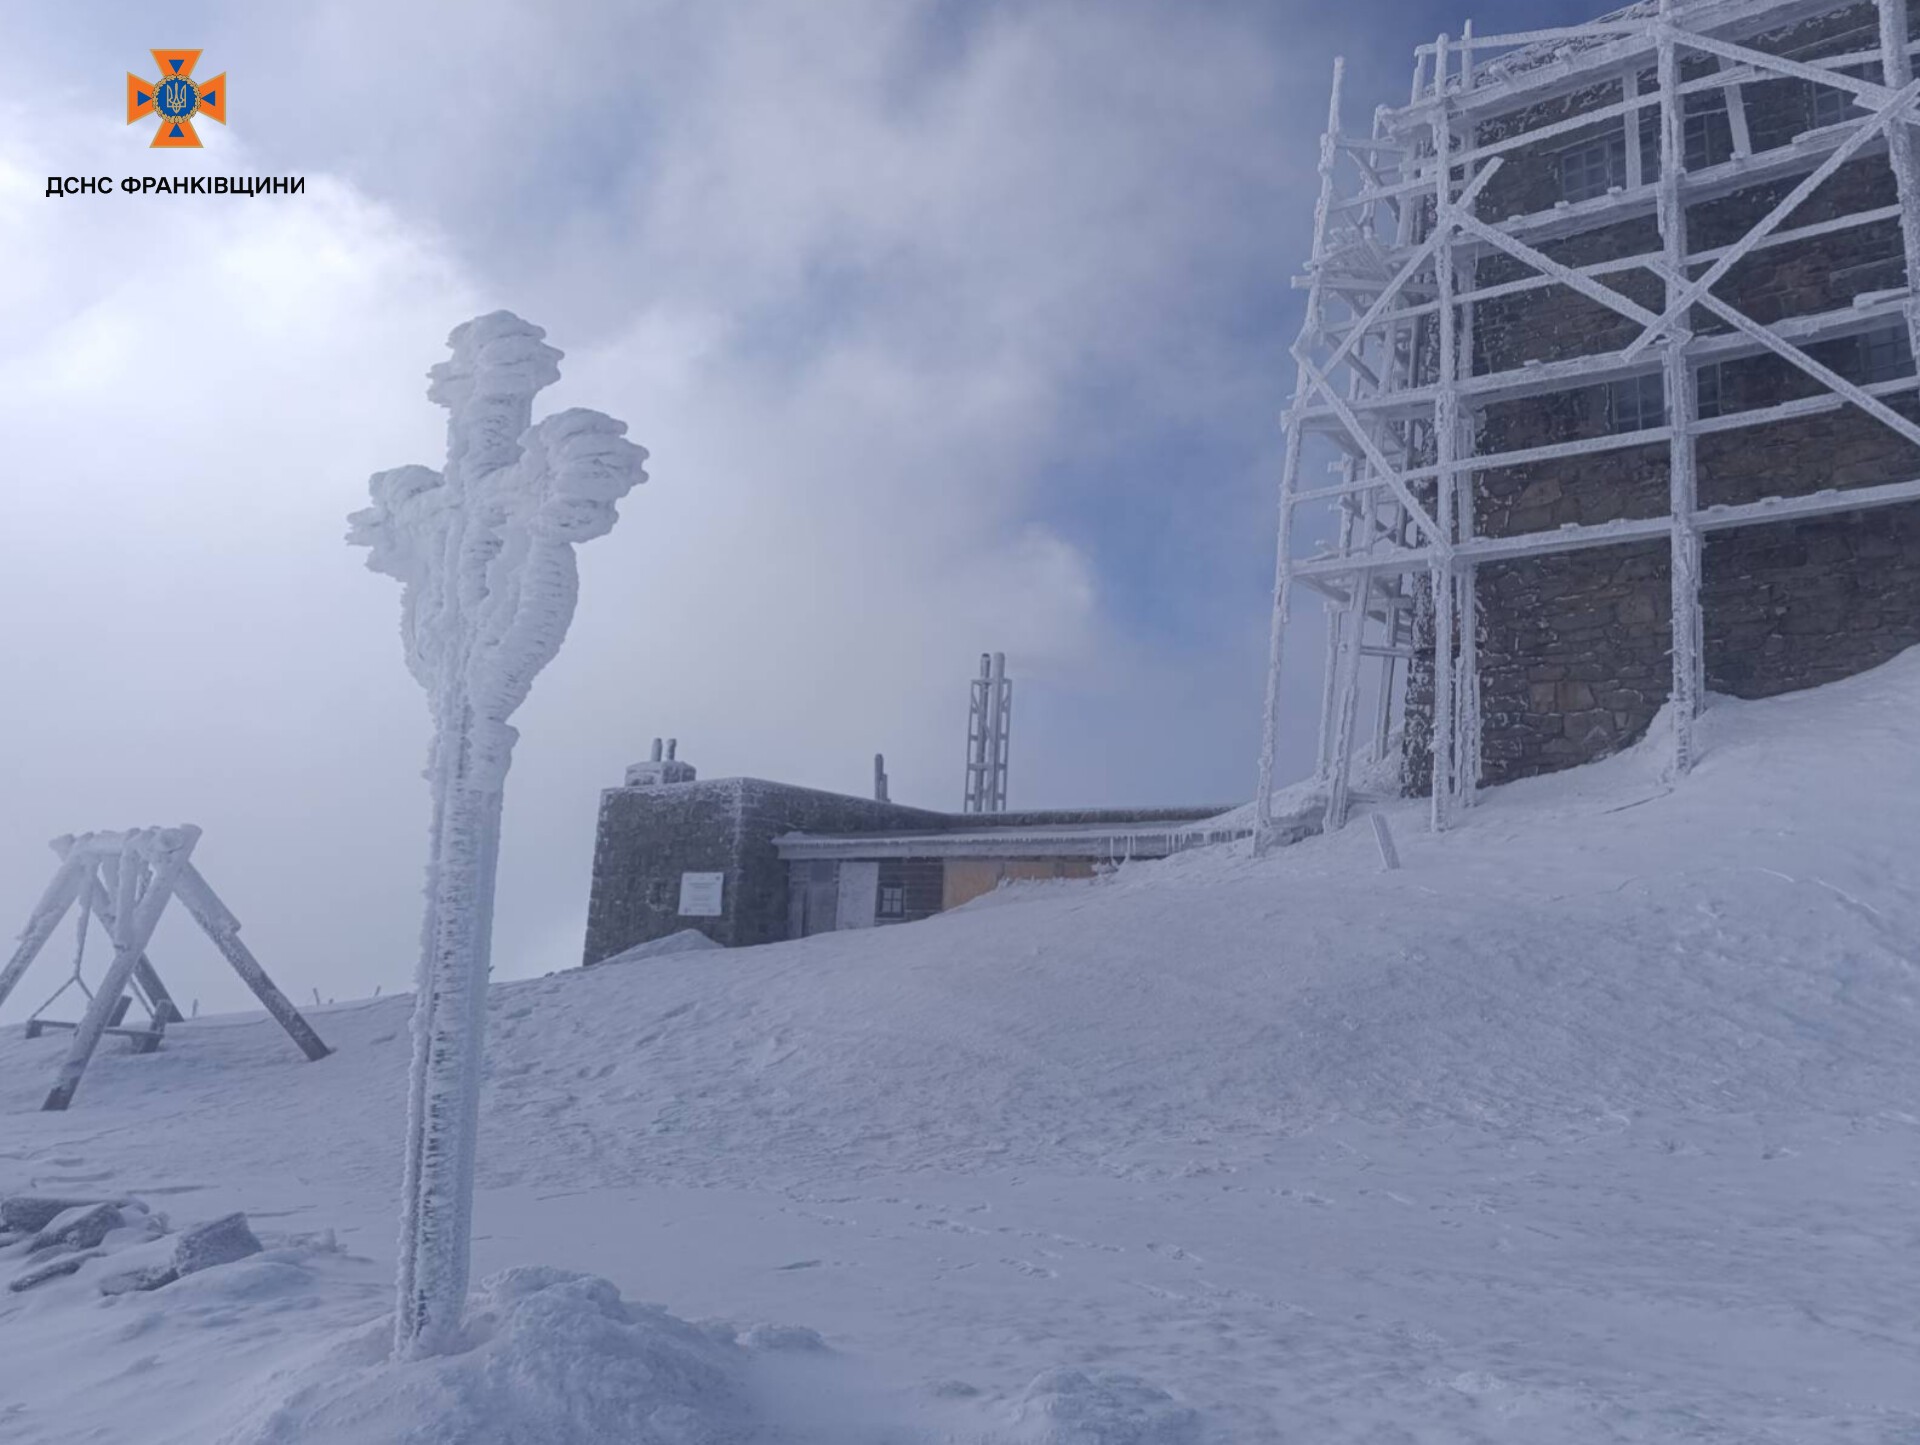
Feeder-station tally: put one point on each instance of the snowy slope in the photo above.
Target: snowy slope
(1598, 1120)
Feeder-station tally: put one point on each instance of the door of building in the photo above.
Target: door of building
(859, 895)
(822, 897)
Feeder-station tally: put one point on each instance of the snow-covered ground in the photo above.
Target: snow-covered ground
(1597, 1121)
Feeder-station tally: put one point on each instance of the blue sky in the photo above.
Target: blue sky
(949, 326)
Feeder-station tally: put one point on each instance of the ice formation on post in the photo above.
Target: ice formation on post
(484, 553)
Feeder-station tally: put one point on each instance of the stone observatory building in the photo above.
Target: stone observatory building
(746, 860)
(1609, 346)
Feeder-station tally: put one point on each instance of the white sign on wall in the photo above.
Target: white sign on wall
(700, 894)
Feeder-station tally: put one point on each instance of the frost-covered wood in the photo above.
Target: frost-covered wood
(224, 929)
(142, 869)
(146, 978)
(1383, 840)
(1683, 487)
(146, 878)
(484, 553)
(59, 896)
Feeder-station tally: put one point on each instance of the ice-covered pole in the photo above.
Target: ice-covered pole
(484, 552)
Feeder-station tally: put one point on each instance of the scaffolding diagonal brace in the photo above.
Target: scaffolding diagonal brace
(1693, 290)
(1389, 368)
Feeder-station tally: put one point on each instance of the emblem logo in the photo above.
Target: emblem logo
(176, 98)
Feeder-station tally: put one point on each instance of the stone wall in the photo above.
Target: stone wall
(648, 836)
(1575, 647)
(1795, 605)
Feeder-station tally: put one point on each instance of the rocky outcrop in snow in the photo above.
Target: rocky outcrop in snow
(145, 1256)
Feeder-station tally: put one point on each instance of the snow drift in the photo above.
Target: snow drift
(549, 1356)
(1593, 1121)
(687, 940)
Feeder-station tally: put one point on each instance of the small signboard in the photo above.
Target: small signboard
(700, 894)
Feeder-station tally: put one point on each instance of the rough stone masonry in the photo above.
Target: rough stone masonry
(1575, 648)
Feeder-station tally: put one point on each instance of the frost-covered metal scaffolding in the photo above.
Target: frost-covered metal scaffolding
(1388, 373)
(989, 736)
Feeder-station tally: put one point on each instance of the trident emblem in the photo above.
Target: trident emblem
(176, 98)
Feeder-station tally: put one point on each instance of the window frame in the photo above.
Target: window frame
(1883, 354)
(1826, 97)
(1706, 134)
(1649, 127)
(1611, 151)
(1628, 397)
(1702, 143)
(1710, 378)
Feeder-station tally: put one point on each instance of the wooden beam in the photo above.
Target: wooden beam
(165, 1010)
(137, 920)
(224, 929)
(47, 913)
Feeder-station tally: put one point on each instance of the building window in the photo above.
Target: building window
(1831, 106)
(1589, 170)
(1707, 395)
(893, 902)
(1650, 145)
(1884, 354)
(1637, 403)
(1708, 133)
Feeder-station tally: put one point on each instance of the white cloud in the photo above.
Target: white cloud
(186, 638)
(849, 280)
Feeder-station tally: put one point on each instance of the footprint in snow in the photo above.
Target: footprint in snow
(1032, 1270)
(1172, 1251)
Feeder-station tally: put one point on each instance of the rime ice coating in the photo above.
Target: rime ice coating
(484, 554)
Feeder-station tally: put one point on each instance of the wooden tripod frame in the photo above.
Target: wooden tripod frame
(125, 880)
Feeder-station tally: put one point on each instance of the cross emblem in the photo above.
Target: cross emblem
(176, 97)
